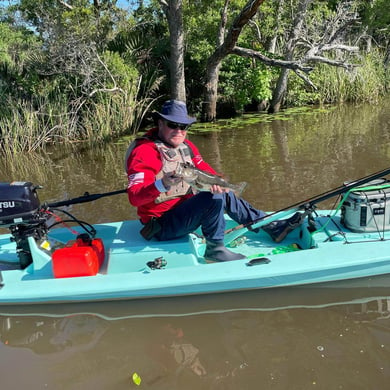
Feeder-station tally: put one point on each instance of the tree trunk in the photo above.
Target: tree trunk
(279, 91)
(281, 85)
(173, 12)
(224, 47)
(209, 108)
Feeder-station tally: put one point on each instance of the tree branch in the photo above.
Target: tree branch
(163, 3)
(305, 78)
(339, 46)
(65, 4)
(114, 89)
(234, 32)
(256, 28)
(222, 24)
(328, 61)
(294, 65)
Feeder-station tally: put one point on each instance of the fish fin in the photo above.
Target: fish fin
(240, 187)
(199, 186)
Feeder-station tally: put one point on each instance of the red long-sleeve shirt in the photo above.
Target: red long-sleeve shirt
(143, 165)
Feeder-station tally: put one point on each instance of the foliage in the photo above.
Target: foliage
(16, 46)
(53, 20)
(376, 16)
(71, 87)
(299, 94)
(144, 42)
(244, 81)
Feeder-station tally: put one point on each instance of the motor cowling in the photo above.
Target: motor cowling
(20, 211)
(19, 203)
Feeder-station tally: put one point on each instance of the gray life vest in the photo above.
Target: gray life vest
(170, 158)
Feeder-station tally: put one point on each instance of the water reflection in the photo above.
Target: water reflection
(44, 335)
(230, 350)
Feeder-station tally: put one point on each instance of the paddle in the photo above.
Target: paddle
(83, 199)
(232, 234)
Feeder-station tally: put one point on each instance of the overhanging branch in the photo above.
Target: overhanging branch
(328, 61)
(294, 65)
(65, 4)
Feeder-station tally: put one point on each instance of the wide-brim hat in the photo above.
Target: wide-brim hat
(175, 111)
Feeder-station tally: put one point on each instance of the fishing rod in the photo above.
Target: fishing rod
(87, 197)
(309, 203)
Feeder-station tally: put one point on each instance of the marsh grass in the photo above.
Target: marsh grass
(115, 116)
(367, 82)
(29, 126)
(23, 127)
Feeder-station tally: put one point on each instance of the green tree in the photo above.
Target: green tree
(376, 25)
(75, 86)
(245, 82)
(17, 44)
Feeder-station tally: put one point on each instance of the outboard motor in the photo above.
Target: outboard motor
(20, 211)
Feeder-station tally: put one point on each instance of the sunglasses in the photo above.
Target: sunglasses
(175, 125)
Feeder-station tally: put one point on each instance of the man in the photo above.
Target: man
(166, 204)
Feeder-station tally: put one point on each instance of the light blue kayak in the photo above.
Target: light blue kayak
(332, 253)
(44, 264)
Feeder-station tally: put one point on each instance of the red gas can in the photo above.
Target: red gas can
(82, 257)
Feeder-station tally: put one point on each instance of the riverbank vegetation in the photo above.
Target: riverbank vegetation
(80, 70)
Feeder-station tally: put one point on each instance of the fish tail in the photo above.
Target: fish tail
(240, 187)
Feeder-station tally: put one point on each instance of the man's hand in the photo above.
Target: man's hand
(215, 189)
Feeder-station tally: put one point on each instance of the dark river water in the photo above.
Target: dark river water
(304, 338)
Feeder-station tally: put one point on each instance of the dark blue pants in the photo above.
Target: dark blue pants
(206, 210)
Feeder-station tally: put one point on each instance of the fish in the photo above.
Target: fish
(202, 181)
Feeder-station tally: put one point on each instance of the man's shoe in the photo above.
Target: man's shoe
(216, 251)
(278, 230)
